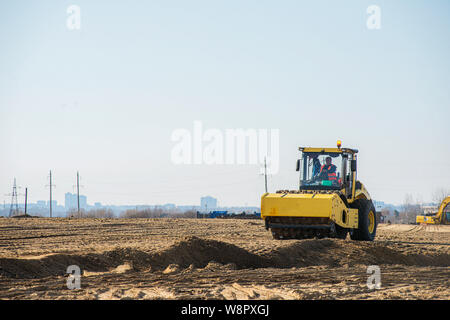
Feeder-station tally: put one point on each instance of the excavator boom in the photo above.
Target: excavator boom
(441, 217)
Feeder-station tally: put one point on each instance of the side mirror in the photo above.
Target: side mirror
(298, 165)
(353, 165)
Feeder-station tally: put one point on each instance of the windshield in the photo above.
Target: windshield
(322, 170)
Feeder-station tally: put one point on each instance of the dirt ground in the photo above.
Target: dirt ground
(215, 259)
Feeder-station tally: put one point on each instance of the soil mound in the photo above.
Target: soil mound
(21, 216)
(199, 252)
(335, 252)
(196, 253)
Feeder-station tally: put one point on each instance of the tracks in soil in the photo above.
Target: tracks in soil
(196, 252)
(214, 258)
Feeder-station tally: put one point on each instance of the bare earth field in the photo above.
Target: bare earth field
(215, 259)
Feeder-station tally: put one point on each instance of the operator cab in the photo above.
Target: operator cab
(327, 169)
(446, 214)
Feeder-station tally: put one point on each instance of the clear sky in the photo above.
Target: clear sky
(106, 99)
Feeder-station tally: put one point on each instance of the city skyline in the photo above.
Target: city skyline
(41, 207)
(71, 202)
(206, 203)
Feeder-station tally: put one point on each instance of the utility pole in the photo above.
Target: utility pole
(26, 199)
(78, 193)
(50, 193)
(51, 186)
(265, 172)
(14, 203)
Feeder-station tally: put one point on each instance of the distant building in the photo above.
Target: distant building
(379, 205)
(41, 204)
(54, 204)
(208, 203)
(83, 202)
(71, 201)
(188, 208)
(430, 209)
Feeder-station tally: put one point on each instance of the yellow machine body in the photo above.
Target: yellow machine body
(327, 204)
(441, 217)
(314, 205)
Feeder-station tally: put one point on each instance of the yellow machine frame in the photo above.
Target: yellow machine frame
(331, 206)
(437, 218)
(309, 205)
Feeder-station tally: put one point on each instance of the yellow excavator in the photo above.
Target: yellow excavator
(442, 216)
(330, 201)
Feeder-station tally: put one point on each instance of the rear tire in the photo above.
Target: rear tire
(367, 222)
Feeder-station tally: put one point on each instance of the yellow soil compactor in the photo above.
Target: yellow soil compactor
(330, 201)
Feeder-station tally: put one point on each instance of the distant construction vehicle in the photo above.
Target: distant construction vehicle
(330, 202)
(442, 216)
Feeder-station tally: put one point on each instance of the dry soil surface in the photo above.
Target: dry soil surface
(215, 259)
